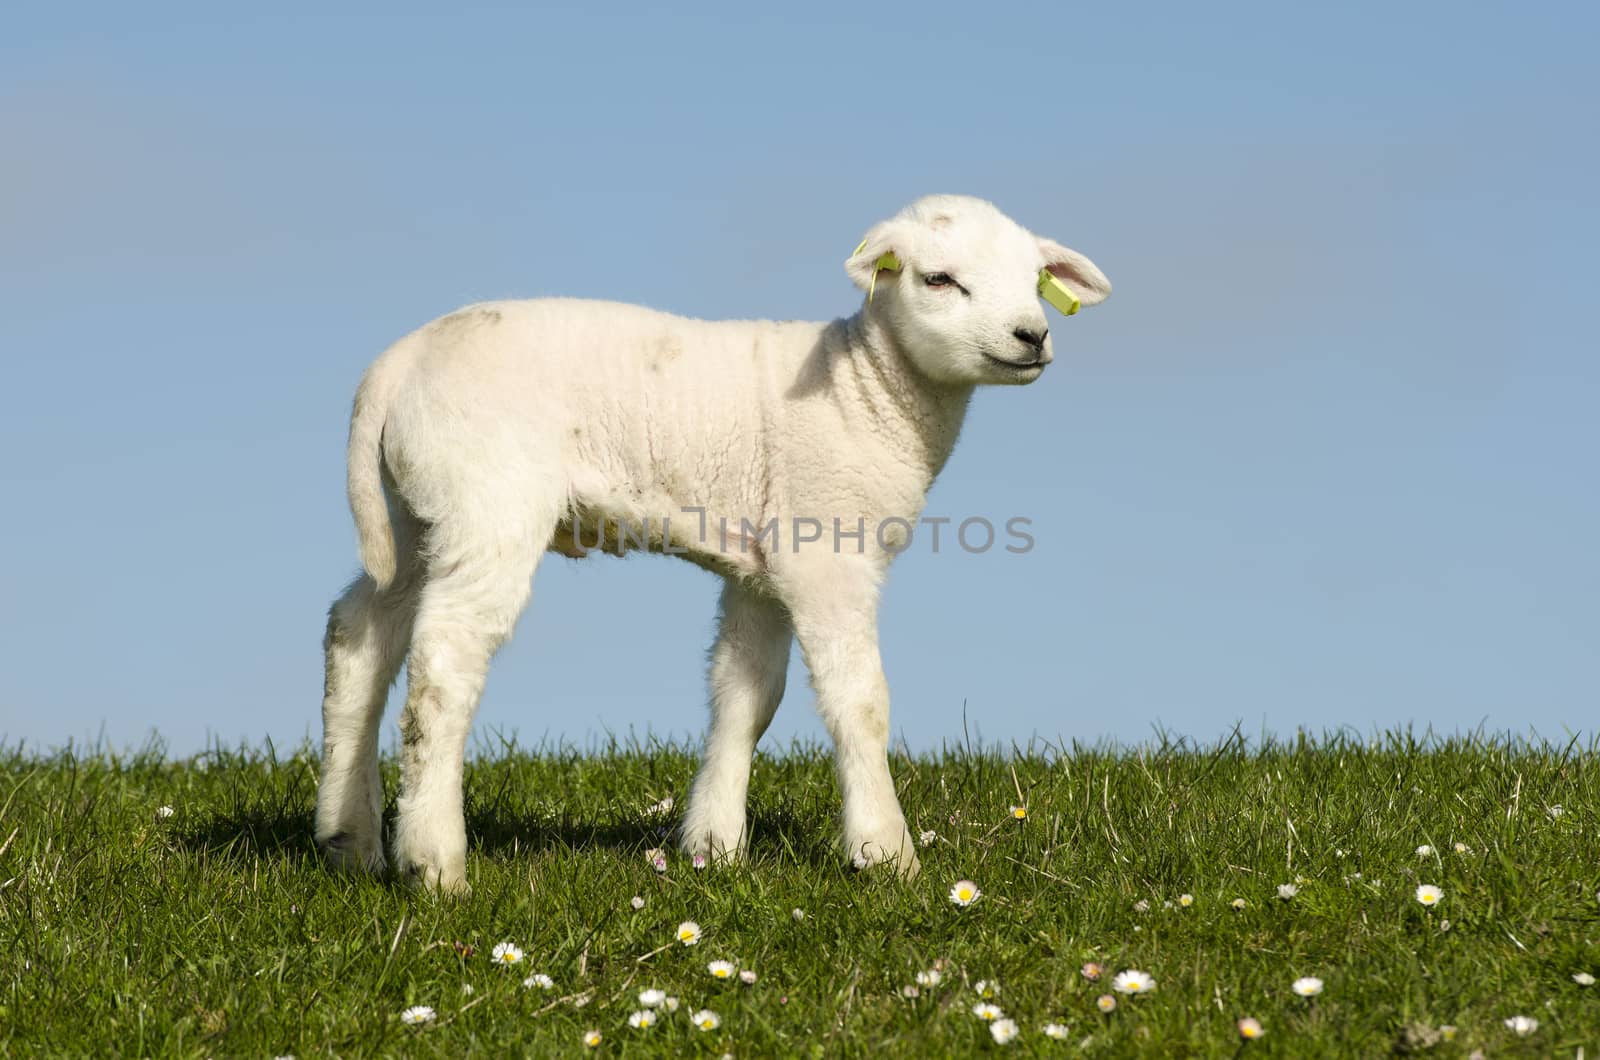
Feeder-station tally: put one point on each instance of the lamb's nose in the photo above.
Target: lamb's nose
(1032, 338)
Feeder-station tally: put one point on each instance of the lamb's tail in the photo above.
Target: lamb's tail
(364, 476)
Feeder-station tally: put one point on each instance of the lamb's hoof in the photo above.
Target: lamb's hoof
(899, 854)
(348, 852)
(709, 848)
(447, 883)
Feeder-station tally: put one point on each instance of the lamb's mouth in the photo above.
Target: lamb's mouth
(1015, 366)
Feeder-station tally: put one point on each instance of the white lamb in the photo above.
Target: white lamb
(510, 429)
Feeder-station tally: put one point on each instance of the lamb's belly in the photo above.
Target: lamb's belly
(713, 542)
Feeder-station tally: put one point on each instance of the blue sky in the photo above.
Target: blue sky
(1326, 458)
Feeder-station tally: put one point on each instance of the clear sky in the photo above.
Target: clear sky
(1327, 457)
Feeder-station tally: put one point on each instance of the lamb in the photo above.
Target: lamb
(506, 430)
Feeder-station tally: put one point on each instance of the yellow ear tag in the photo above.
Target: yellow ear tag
(1057, 293)
(887, 261)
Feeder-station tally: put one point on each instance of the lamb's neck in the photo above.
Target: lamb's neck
(920, 418)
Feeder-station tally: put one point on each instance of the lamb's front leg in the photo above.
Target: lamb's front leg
(834, 609)
(749, 664)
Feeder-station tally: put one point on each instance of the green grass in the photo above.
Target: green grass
(217, 932)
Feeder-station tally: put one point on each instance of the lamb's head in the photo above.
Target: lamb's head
(956, 283)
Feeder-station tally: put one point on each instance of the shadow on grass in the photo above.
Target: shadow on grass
(268, 832)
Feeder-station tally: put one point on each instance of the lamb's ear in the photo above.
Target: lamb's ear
(1075, 271)
(878, 252)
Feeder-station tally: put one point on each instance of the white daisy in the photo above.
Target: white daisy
(706, 1020)
(642, 1019)
(930, 977)
(1557, 810)
(540, 980)
(1522, 1026)
(1583, 978)
(1019, 813)
(1429, 895)
(798, 914)
(1186, 900)
(988, 989)
(636, 901)
(1462, 848)
(1142, 905)
(1133, 982)
(656, 809)
(1058, 1031)
(1307, 986)
(910, 992)
(985, 1010)
(928, 838)
(670, 1004)
(591, 1038)
(417, 1014)
(722, 969)
(652, 998)
(1238, 903)
(964, 892)
(747, 976)
(1003, 1030)
(689, 933)
(165, 811)
(1106, 1003)
(507, 953)
(1250, 1029)
(1287, 891)
(1424, 851)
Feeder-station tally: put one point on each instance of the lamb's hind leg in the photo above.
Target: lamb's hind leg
(749, 663)
(473, 592)
(368, 630)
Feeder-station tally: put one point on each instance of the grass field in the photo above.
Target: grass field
(215, 931)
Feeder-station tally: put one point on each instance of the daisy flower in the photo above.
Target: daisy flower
(636, 901)
(655, 809)
(652, 998)
(1142, 905)
(1186, 900)
(1058, 1031)
(748, 977)
(642, 1019)
(698, 861)
(910, 992)
(670, 1004)
(1557, 810)
(1133, 982)
(689, 933)
(1583, 978)
(1522, 1026)
(964, 892)
(928, 838)
(540, 980)
(418, 1014)
(706, 1020)
(1020, 813)
(987, 1010)
(1238, 903)
(722, 969)
(165, 811)
(591, 1038)
(1091, 971)
(1287, 891)
(930, 977)
(1429, 895)
(1462, 848)
(1250, 1029)
(507, 953)
(1003, 1030)
(988, 989)
(657, 858)
(1106, 1003)
(1447, 1031)
(1424, 851)
(798, 914)
(1307, 986)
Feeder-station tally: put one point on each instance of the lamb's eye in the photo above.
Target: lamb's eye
(939, 279)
